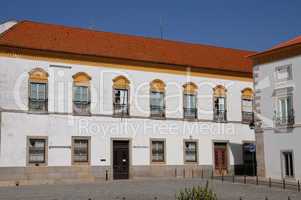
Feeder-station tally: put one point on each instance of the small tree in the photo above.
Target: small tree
(196, 193)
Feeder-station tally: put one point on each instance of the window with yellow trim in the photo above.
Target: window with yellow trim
(38, 90)
(247, 105)
(220, 103)
(157, 98)
(81, 94)
(190, 101)
(121, 87)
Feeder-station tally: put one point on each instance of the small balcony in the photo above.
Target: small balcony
(247, 117)
(284, 120)
(38, 105)
(190, 113)
(121, 110)
(157, 111)
(81, 108)
(220, 116)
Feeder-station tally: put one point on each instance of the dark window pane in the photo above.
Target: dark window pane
(81, 150)
(190, 152)
(38, 97)
(158, 151)
(37, 150)
(120, 104)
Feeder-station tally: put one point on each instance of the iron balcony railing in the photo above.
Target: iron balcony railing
(220, 115)
(121, 110)
(190, 113)
(157, 111)
(286, 120)
(81, 108)
(247, 117)
(38, 105)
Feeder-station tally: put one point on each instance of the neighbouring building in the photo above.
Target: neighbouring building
(79, 104)
(277, 103)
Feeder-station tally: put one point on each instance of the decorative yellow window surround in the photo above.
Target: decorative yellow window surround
(219, 91)
(81, 79)
(38, 75)
(157, 86)
(121, 82)
(190, 88)
(247, 93)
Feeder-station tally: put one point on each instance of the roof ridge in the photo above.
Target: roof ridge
(10, 29)
(286, 42)
(138, 36)
(76, 40)
(280, 46)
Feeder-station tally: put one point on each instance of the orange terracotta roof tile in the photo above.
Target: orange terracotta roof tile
(290, 43)
(58, 38)
(296, 40)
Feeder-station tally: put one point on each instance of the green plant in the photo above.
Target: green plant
(196, 193)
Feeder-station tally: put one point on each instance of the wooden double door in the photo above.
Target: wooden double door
(220, 159)
(120, 159)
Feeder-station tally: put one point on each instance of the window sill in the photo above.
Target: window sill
(36, 164)
(157, 117)
(80, 163)
(284, 126)
(190, 119)
(290, 179)
(246, 122)
(120, 116)
(158, 163)
(220, 121)
(82, 114)
(191, 163)
(38, 112)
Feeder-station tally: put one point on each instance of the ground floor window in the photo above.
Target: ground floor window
(37, 150)
(190, 151)
(158, 151)
(288, 164)
(80, 150)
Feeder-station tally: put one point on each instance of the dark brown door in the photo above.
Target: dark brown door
(220, 158)
(120, 159)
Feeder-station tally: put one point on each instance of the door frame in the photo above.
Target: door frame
(243, 155)
(227, 152)
(282, 167)
(112, 155)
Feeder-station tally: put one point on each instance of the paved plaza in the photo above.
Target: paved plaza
(141, 190)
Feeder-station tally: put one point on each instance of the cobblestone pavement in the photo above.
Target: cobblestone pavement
(141, 190)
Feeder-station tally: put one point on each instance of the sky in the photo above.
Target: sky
(244, 24)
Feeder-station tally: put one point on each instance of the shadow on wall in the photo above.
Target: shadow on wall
(237, 153)
(244, 160)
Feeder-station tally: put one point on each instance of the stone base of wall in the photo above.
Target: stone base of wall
(170, 171)
(12, 176)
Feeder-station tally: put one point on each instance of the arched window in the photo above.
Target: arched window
(220, 103)
(121, 86)
(247, 105)
(157, 98)
(190, 101)
(38, 90)
(81, 94)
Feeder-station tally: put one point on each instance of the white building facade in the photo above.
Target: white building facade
(65, 117)
(277, 105)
